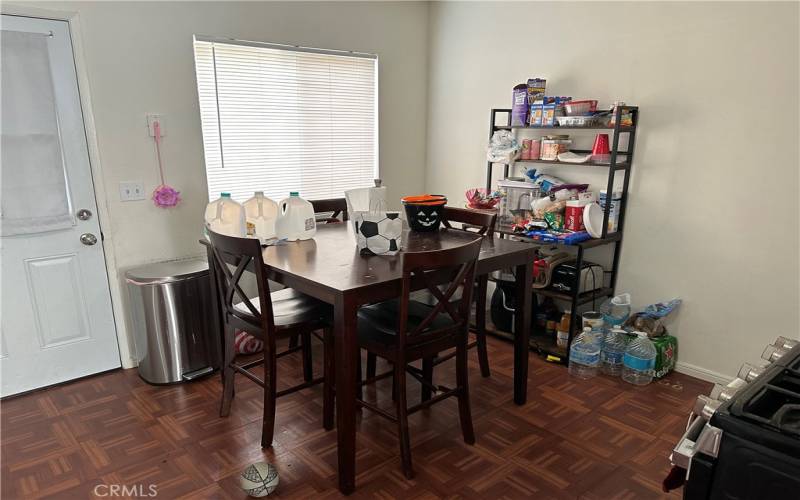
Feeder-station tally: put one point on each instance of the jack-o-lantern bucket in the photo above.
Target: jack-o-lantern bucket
(424, 213)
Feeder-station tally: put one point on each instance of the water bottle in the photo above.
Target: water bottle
(226, 216)
(616, 309)
(584, 355)
(639, 360)
(260, 213)
(296, 220)
(613, 351)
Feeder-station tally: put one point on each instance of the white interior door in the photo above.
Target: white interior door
(57, 323)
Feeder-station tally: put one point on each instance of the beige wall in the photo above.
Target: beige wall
(713, 212)
(139, 60)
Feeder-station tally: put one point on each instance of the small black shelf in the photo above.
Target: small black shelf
(594, 242)
(619, 166)
(566, 127)
(538, 341)
(583, 298)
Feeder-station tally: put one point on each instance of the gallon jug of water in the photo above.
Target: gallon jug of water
(639, 360)
(584, 355)
(613, 351)
(616, 309)
(260, 213)
(226, 216)
(296, 219)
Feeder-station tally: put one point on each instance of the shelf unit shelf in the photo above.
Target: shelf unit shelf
(546, 344)
(619, 166)
(565, 127)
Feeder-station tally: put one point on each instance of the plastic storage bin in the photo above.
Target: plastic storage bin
(172, 320)
(515, 207)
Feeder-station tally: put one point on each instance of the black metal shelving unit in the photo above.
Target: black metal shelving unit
(540, 341)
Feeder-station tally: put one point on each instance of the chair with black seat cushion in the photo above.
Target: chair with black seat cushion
(328, 211)
(269, 317)
(480, 222)
(403, 331)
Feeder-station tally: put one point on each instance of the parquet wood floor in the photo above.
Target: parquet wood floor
(598, 439)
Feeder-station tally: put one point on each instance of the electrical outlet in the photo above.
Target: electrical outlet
(151, 119)
(131, 191)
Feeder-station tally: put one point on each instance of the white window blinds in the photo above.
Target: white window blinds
(286, 119)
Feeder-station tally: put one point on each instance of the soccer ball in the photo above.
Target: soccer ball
(379, 234)
(259, 479)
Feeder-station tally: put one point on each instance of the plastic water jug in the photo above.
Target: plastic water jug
(260, 213)
(639, 360)
(226, 216)
(617, 309)
(613, 351)
(296, 219)
(584, 355)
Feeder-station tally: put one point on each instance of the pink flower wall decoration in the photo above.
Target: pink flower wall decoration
(165, 196)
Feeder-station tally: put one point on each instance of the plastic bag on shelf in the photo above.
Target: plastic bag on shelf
(503, 147)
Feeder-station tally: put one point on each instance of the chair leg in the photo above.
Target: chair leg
(371, 365)
(294, 340)
(394, 387)
(427, 375)
(462, 381)
(480, 321)
(228, 373)
(308, 365)
(402, 419)
(359, 378)
(328, 385)
(270, 393)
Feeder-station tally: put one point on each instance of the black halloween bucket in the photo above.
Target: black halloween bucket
(424, 213)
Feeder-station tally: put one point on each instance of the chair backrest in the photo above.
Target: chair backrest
(442, 272)
(333, 206)
(232, 257)
(483, 222)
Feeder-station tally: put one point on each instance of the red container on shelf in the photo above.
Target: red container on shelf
(573, 215)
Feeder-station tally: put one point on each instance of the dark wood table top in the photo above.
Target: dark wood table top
(331, 259)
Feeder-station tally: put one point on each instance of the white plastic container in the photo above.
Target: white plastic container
(613, 213)
(226, 216)
(296, 219)
(260, 213)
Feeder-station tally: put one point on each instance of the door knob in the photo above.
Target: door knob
(88, 239)
(84, 214)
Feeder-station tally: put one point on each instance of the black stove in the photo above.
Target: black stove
(747, 446)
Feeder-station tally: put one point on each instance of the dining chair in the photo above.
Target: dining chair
(330, 210)
(480, 222)
(269, 317)
(403, 331)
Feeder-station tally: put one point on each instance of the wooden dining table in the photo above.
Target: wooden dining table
(330, 268)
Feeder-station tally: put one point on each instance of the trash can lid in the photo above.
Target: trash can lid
(169, 271)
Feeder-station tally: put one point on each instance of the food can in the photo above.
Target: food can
(593, 320)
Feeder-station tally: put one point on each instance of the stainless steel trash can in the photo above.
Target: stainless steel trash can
(172, 321)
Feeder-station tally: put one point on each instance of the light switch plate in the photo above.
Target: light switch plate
(131, 191)
(152, 118)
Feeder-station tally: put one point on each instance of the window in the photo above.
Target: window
(280, 118)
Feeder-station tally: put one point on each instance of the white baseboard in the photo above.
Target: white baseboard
(702, 373)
